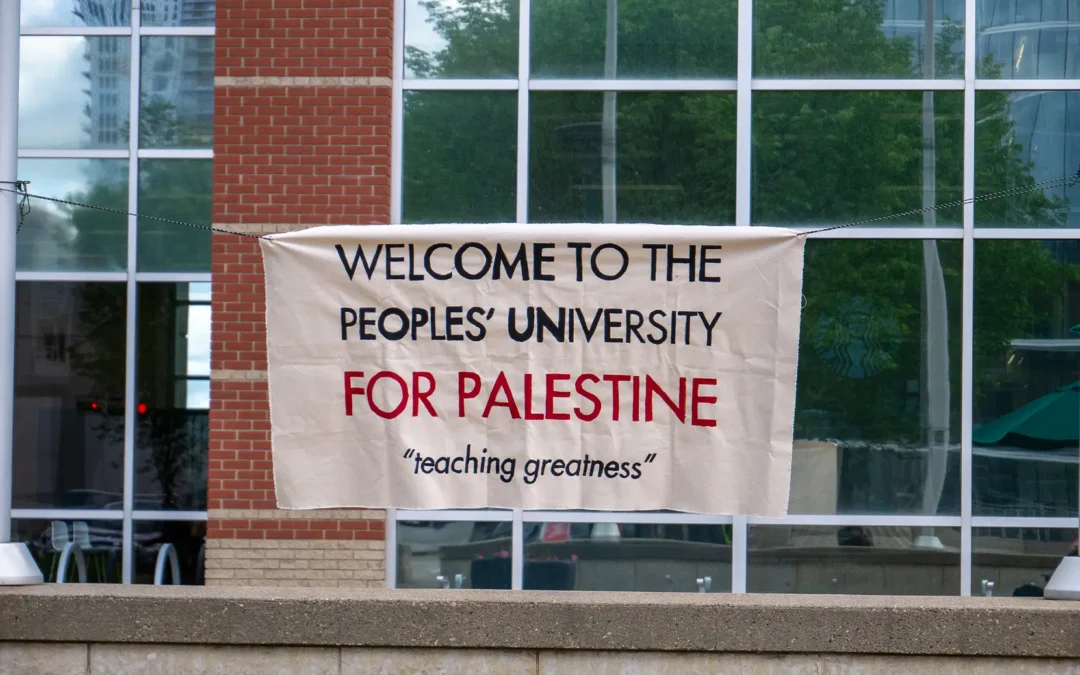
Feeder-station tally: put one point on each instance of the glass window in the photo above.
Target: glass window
(877, 413)
(882, 39)
(1017, 561)
(673, 158)
(101, 543)
(1023, 138)
(460, 151)
(634, 39)
(448, 39)
(177, 189)
(177, 12)
(67, 238)
(74, 13)
(853, 560)
(1028, 39)
(176, 92)
(1026, 408)
(834, 157)
(625, 557)
(186, 538)
(69, 395)
(453, 554)
(173, 405)
(74, 92)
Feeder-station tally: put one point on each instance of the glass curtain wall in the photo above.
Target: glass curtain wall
(938, 408)
(113, 311)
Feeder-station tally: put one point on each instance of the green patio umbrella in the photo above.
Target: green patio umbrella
(1053, 419)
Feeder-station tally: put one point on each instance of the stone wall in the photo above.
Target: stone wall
(111, 659)
(96, 628)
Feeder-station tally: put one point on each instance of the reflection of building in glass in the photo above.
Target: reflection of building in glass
(103, 12)
(1037, 39)
(178, 12)
(1029, 39)
(905, 19)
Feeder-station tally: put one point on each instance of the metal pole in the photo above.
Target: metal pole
(9, 206)
(17, 566)
(935, 307)
(607, 130)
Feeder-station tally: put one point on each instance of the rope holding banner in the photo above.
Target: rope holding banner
(26, 195)
(24, 206)
(24, 203)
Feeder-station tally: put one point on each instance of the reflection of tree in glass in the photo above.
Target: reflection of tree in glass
(96, 354)
(171, 439)
(818, 157)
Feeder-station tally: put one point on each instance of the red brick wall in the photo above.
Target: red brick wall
(302, 118)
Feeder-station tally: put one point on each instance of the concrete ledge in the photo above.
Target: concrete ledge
(541, 621)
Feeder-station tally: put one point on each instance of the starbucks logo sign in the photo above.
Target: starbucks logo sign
(858, 340)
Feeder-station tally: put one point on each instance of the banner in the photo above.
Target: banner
(629, 367)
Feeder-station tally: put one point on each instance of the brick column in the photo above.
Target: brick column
(302, 117)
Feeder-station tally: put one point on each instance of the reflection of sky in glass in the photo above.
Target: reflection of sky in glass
(63, 177)
(420, 34)
(62, 13)
(198, 345)
(74, 92)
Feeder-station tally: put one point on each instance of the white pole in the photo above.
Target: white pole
(607, 130)
(936, 350)
(17, 566)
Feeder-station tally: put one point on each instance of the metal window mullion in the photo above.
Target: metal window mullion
(73, 153)
(391, 548)
(179, 31)
(619, 85)
(397, 113)
(868, 84)
(184, 516)
(739, 554)
(176, 278)
(127, 557)
(176, 153)
(1026, 85)
(459, 85)
(67, 514)
(446, 515)
(968, 295)
(984, 232)
(743, 112)
(74, 31)
(517, 545)
(1024, 522)
(524, 65)
(624, 517)
(892, 233)
(78, 277)
(858, 520)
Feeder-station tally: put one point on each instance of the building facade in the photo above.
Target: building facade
(936, 331)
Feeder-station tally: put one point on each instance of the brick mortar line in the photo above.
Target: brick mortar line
(238, 375)
(264, 228)
(283, 514)
(224, 544)
(229, 81)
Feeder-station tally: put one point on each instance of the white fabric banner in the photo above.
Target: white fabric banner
(629, 367)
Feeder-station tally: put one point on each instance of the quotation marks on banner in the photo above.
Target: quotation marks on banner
(506, 468)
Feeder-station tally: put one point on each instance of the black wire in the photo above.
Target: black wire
(1068, 181)
(200, 226)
